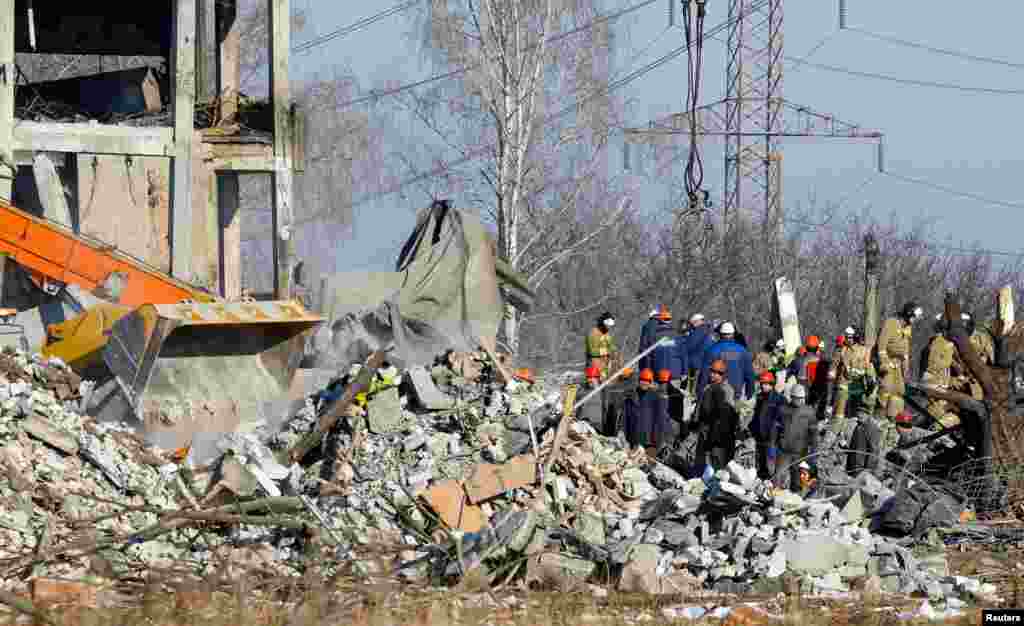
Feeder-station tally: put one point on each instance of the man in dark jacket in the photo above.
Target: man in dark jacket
(799, 438)
(647, 330)
(697, 341)
(865, 443)
(717, 419)
(738, 360)
(766, 424)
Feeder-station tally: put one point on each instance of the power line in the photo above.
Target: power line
(482, 150)
(951, 191)
(383, 93)
(353, 27)
(906, 81)
(944, 51)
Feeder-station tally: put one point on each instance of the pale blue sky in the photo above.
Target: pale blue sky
(967, 141)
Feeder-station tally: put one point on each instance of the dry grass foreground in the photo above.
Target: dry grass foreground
(386, 604)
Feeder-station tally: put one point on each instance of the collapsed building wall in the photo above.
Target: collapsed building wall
(144, 157)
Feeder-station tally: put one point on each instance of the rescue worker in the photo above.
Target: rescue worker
(798, 438)
(640, 423)
(697, 341)
(808, 484)
(940, 372)
(865, 446)
(717, 420)
(662, 328)
(739, 363)
(601, 349)
(912, 459)
(804, 370)
(983, 344)
(780, 363)
(894, 357)
(648, 328)
(593, 410)
(804, 367)
(766, 423)
(853, 367)
(763, 360)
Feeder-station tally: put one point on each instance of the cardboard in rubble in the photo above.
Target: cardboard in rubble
(449, 501)
(785, 300)
(488, 481)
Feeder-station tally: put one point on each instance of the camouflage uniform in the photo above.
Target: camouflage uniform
(938, 373)
(986, 349)
(601, 350)
(894, 363)
(851, 365)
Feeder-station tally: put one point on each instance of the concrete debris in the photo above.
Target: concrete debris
(448, 465)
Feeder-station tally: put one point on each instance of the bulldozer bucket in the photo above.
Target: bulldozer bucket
(210, 368)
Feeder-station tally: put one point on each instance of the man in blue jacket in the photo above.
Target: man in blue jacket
(697, 340)
(659, 326)
(737, 358)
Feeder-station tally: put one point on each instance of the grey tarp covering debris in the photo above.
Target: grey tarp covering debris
(444, 294)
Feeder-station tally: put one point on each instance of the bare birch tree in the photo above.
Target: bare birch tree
(534, 169)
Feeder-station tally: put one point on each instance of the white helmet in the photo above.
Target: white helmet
(727, 329)
(781, 343)
(849, 331)
(696, 317)
(804, 465)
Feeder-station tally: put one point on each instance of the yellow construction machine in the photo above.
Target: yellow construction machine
(184, 360)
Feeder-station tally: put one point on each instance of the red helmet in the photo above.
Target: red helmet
(813, 342)
(767, 377)
(647, 375)
(593, 372)
(905, 419)
(664, 376)
(841, 340)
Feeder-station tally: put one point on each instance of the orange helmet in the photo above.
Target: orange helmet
(813, 342)
(664, 376)
(662, 313)
(647, 375)
(767, 377)
(525, 374)
(593, 372)
(626, 372)
(719, 365)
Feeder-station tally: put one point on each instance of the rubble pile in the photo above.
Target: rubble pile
(454, 473)
(62, 476)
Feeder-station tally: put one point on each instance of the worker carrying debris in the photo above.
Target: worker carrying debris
(894, 357)
(601, 349)
(798, 438)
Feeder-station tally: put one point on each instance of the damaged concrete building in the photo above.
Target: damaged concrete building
(144, 160)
